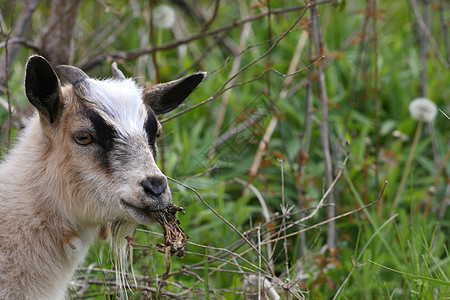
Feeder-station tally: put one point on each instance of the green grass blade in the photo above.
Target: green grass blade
(429, 279)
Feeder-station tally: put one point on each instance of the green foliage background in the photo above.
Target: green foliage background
(407, 238)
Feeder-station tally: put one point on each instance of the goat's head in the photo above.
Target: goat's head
(102, 134)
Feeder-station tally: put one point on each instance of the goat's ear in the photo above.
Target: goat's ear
(42, 87)
(164, 97)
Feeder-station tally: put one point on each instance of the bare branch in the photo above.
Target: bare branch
(22, 41)
(222, 89)
(127, 55)
(58, 38)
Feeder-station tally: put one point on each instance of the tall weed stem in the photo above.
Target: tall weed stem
(407, 167)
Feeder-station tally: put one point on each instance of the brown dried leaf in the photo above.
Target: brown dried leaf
(174, 236)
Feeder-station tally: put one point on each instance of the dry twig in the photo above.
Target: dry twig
(127, 55)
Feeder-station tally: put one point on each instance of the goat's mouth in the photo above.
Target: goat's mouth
(144, 215)
(174, 236)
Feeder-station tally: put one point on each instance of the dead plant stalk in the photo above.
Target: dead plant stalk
(324, 128)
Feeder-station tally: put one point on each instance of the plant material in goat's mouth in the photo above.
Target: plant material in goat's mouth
(174, 236)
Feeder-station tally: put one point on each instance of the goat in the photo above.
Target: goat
(86, 159)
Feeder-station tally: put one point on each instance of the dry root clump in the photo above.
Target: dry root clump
(174, 236)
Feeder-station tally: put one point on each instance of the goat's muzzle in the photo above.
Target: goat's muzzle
(155, 196)
(154, 186)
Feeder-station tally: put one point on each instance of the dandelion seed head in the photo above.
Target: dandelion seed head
(423, 109)
(164, 16)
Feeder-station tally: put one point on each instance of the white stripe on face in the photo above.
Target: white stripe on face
(119, 102)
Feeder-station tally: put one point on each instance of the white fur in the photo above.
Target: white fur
(121, 102)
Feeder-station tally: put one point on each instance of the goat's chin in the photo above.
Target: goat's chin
(143, 215)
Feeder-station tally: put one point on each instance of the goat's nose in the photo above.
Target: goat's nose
(155, 186)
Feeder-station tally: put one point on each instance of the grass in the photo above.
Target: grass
(383, 251)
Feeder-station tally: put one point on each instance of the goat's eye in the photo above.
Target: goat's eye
(82, 138)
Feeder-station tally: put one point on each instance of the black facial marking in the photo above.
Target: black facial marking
(104, 132)
(151, 127)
